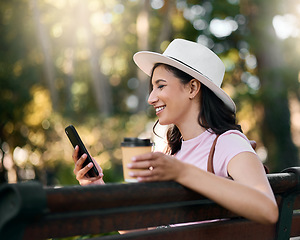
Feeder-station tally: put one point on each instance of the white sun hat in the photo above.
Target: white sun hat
(193, 59)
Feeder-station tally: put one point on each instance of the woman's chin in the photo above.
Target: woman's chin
(163, 123)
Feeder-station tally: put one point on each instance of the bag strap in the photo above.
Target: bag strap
(210, 162)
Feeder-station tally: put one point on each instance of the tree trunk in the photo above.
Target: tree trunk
(101, 87)
(69, 59)
(166, 28)
(69, 72)
(276, 128)
(142, 29)
(46, 49)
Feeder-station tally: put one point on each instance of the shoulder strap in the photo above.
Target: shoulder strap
(210, 161)
(210, 165)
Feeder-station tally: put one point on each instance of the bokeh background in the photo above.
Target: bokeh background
(70, 62)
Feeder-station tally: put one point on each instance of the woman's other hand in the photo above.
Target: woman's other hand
(80, 171)
(156, 166)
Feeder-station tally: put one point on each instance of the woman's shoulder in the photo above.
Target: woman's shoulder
(229, 144)
(234, 135)
(233, 141)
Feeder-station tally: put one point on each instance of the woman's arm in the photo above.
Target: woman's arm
(249, 195)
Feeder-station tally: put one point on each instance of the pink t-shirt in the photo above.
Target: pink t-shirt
(195, 151)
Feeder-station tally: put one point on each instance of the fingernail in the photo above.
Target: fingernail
(129, 165)
(131, 174)
(101, 174)
(133, 159)
(90, 165)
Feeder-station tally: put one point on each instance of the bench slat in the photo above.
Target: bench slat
(225, 230)
(78, 210)
(110, 220)
(295, 228)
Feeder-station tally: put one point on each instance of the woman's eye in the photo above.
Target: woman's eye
(161, 86)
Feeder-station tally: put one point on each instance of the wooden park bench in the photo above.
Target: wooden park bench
(31, 211)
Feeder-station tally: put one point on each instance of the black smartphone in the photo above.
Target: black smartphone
(75, 140)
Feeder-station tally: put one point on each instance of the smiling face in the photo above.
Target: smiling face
(171, 98)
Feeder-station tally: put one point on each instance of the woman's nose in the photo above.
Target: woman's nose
(152, 98)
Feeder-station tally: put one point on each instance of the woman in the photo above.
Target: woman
(186, 94)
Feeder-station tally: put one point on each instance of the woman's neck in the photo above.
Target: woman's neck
(189, 126)
(188, 132)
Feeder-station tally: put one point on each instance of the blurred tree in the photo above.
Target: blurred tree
(101, 87)
(142, 34)
(274, 93)
(48, 65)
(65, 62)
(166, 29)
(17, 74)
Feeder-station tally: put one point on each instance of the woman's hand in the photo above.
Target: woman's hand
(80, 171)
(156, 167)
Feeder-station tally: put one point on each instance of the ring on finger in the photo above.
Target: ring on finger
(151, 168)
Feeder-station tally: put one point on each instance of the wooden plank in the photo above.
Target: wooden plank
(106, 208)
(297, 202)
(295, 228)
(78, 198)
(103, 221)
(225, 230)
(78, 210)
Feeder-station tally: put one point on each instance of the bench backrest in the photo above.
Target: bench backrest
(31, 211)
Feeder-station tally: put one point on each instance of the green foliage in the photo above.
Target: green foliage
(76, 36)
(67, 39)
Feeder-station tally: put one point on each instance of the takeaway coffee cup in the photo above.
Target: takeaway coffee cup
(132, 147)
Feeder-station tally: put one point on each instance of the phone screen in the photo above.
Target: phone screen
(76, 140)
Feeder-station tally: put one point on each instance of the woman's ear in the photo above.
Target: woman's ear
(195, 86)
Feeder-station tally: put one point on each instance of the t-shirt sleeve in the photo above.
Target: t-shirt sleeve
(229, 145)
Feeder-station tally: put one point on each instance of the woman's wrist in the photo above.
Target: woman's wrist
(183, 172)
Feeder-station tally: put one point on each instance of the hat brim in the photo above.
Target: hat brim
(145, 60)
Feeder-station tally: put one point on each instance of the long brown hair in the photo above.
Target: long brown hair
(213, 115)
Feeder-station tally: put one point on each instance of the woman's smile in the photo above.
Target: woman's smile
(159, 109)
